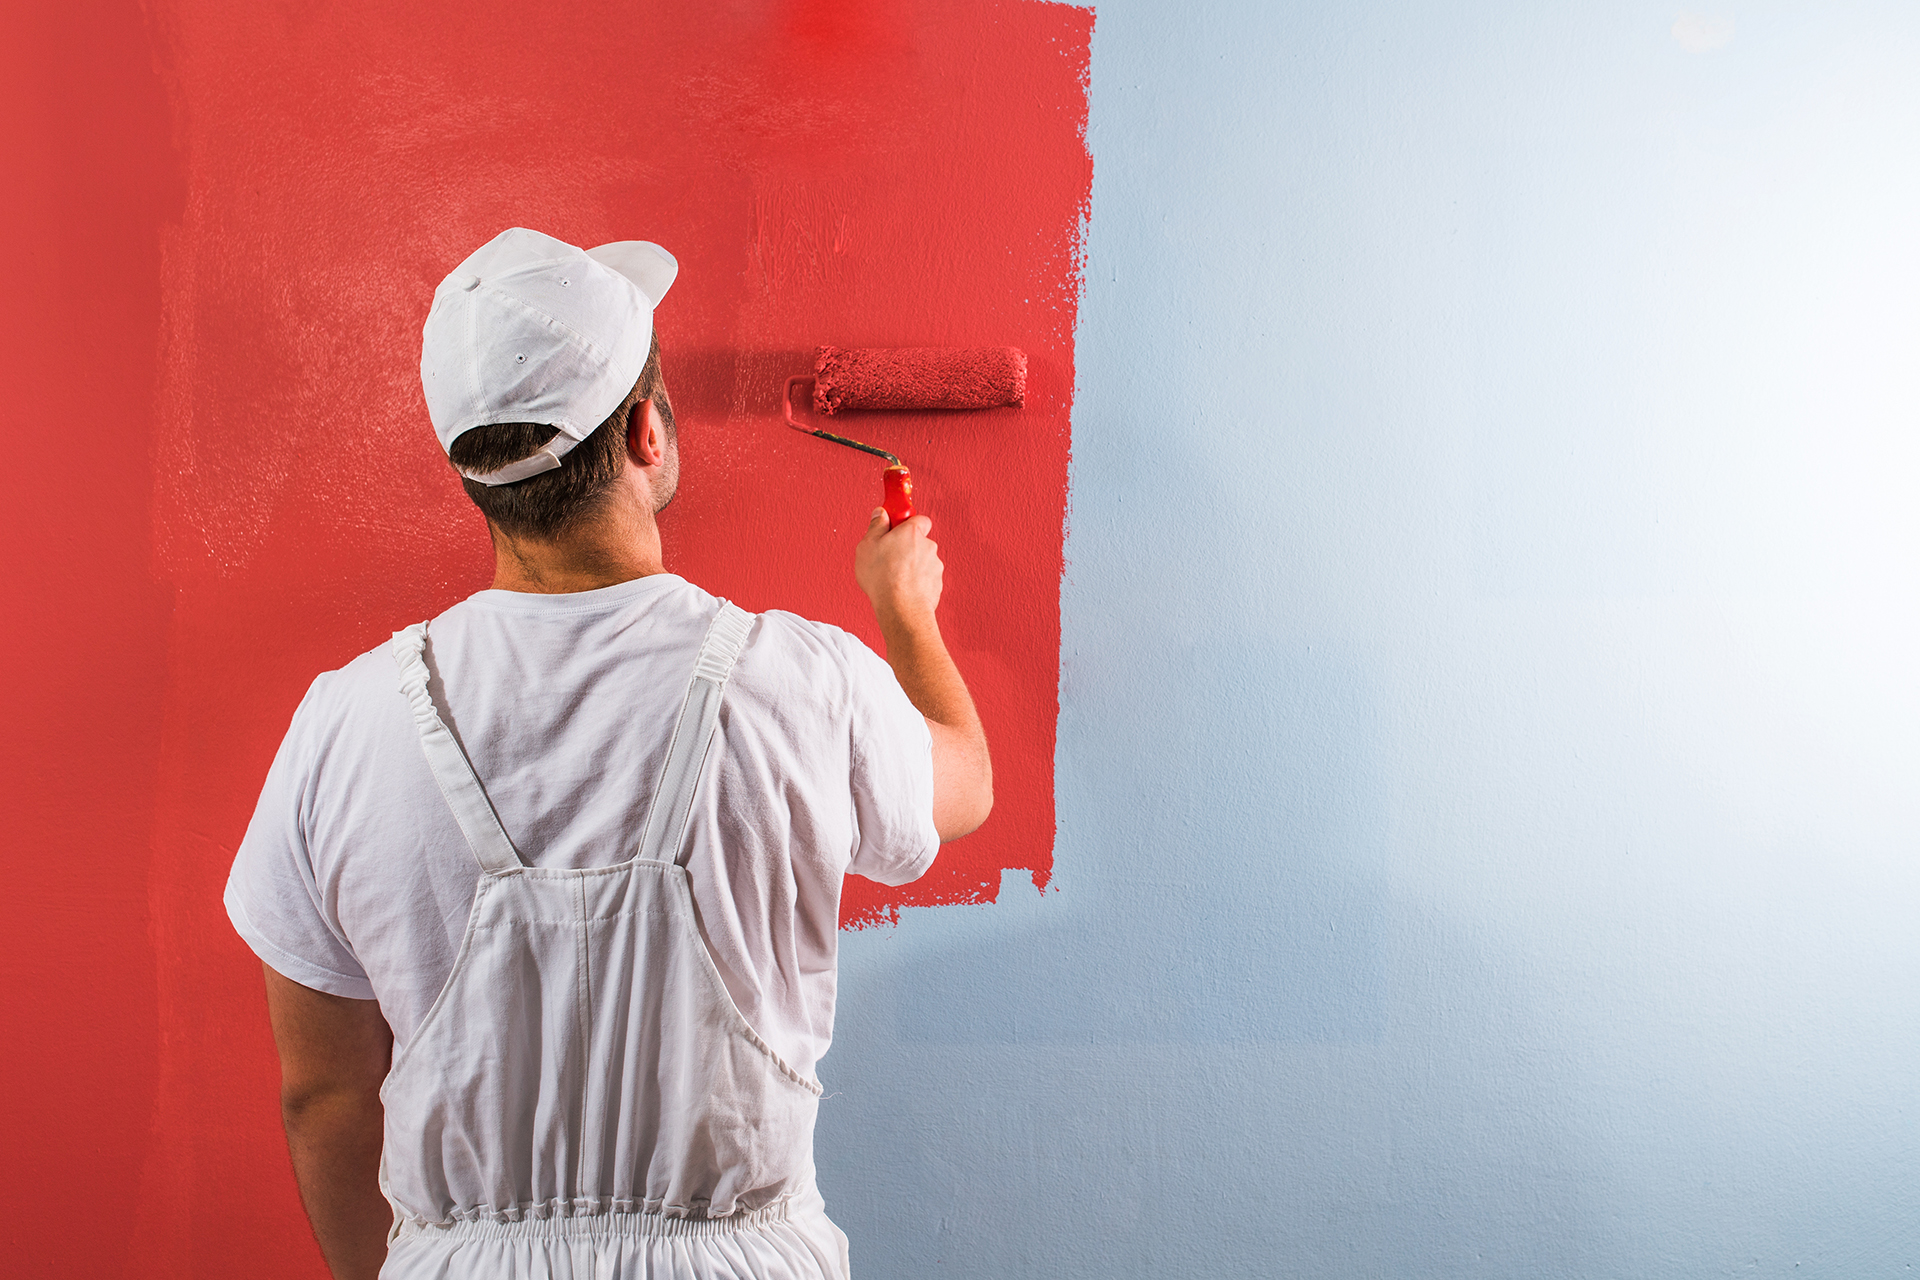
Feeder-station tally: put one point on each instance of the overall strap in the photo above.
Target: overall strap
(666, 831)
(450, 766)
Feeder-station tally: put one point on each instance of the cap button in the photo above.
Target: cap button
(470, 283)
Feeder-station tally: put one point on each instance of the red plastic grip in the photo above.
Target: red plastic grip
(899, 496)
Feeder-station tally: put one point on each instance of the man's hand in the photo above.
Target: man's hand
(334, 1053)
(900, 571)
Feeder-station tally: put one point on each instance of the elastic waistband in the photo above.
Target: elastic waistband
(630, 1225)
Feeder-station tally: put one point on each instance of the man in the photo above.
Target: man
(547, 890)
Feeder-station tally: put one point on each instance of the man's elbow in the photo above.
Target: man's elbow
(971, 800)
(962, 778)
(963, 820)
(981, 808)
(326, 1105)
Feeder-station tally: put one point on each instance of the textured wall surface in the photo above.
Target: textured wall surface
(1489, 767)
(1487, 708)
(232, 220)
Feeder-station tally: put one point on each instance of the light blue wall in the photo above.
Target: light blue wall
(1489, 782)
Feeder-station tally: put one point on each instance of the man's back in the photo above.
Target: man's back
(356, 877)
(532, 1018)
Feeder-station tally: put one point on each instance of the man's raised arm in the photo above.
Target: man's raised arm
(900, 571)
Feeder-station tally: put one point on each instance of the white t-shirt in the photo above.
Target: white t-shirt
(354, 878)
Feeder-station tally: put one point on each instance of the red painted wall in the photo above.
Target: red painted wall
(227, 222)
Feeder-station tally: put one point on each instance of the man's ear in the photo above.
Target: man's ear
(646, 434)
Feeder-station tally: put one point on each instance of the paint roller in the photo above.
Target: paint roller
(894, 379)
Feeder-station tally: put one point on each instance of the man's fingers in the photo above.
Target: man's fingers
(879, 523)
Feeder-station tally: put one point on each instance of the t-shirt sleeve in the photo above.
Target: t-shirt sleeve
(892, 774)
(273, 895)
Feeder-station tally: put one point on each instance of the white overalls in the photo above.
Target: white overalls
(584, 1100)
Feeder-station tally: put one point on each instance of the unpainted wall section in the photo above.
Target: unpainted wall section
(1489, 716)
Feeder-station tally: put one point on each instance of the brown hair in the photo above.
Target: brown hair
(542, 507)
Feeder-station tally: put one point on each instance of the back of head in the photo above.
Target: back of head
(544, 506)
(533, 359)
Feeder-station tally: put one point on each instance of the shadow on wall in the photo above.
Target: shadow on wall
(1462, 1152)
(1247, 908)
(1182, 1060)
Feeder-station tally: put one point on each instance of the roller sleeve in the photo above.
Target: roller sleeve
(899, 378)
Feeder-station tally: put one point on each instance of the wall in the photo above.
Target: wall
(278, 190)
(1485, 694)
(1488, 721)
(83, 647)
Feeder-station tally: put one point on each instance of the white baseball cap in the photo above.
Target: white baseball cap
(532, 329)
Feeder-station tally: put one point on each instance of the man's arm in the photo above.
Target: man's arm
(334, 1053)
(900, 571)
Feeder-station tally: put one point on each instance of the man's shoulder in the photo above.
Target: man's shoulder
(795, 662)
(800, 643)
(784, 629)
(349, 696)
(372, 672)
(786, 653)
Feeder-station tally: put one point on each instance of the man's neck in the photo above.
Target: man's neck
(620, 546)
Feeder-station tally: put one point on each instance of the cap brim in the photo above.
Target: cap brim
(641, 261)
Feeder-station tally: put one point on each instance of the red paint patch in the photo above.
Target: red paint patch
(858, 174)
(89, 177)
(868, 175)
